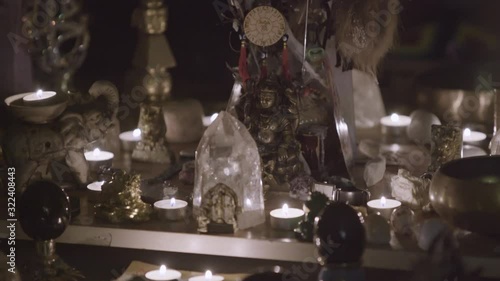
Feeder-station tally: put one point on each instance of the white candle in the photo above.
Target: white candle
(207, 277)
(286, 218)
(97, 155)
(163, 274)
(171, 209)
(383, 206)
(130, 139)
(96, 186)
(207, 120)
(134, 135)
(395, 120)
(473, 136)
(39, 96)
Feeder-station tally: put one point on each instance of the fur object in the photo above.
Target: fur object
(364, 31)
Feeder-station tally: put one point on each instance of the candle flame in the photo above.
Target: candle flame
(383, 201)
(136, 133)
(208, 275)
(39, 94)
(285, 209)
(172, 202)
(394, 117)
(467, 132)
(163, 270)
(96, 152)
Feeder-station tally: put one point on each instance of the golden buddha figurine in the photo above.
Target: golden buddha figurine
(270, 114)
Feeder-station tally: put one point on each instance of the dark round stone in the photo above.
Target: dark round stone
(339, 234)
(44, 210)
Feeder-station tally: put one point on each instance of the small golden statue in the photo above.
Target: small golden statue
(218, 210)
(270, 114)
(121, 200)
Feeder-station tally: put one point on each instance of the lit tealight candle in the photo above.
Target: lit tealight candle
(207, 277)
(97, 155)
(39, 96)
(163, 274)
(394, 128)
(395, 120)
(383, 206)
(171, 209)
(96, 186)
(207, 120)
(473, 137)
(130, 139)
(286, 218)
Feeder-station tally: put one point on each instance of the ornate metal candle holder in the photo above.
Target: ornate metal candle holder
(446, 145)
(151, 80)
(51, 37)
(44, 215)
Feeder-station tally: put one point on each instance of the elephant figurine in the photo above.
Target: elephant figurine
(55, 151)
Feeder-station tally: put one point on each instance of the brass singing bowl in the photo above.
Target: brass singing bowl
(466, 193)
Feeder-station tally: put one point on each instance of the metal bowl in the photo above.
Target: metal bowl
(458, 93)
(37, 114)
(466, 193)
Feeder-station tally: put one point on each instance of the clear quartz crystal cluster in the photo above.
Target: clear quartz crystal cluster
(228, 154)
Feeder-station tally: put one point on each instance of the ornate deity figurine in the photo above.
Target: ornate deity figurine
(270, 114)
(219, 210)
(121, 200)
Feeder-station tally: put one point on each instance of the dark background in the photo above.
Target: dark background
(460, 31)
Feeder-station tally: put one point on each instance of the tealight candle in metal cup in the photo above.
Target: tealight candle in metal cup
(383, 206)
(286, 218)
(163, 274)
(394, 128)
(130, 139)
(171, 209)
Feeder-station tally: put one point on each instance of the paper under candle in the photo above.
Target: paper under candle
(286, 218)
(163, 274)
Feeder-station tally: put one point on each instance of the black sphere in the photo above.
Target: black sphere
(44, 210)
(339, 234)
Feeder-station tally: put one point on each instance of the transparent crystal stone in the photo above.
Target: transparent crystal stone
(228, 154)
